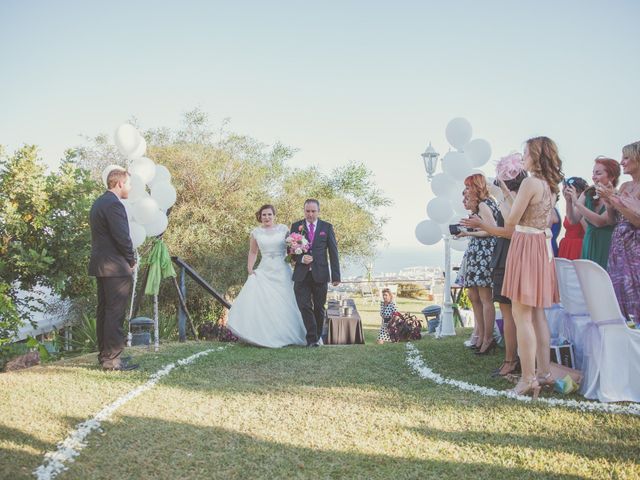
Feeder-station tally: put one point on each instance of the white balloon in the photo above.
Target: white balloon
(145, 210)
(458, 208)
(162, 175)
(458, 132)
(428, 232)
(444, 185)
(439, 209)
(107, 170)
(164, 194)
(140, 151)
(158, 226)
(478, 152)
(494, 190)
(444, 228)
(459, 244)
(127, 206)
(138, 189)
(456, 165)
(144, 167)
(127, 139)
(137, 233)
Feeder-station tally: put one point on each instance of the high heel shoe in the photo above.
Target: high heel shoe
(514, 368)
(546, 381)
(471, 342)
(523, 388)
(490, 348)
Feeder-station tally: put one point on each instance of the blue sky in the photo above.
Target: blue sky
(369, 81)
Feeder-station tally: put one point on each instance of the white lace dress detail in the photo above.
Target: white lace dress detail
(265, 313)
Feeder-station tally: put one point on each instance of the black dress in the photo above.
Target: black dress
(498, 262)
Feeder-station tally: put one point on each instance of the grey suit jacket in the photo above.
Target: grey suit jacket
(324, 241)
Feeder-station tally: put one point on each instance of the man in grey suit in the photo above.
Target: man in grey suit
(112, 261)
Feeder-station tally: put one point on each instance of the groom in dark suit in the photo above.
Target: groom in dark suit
(311, 272)
(112, 261)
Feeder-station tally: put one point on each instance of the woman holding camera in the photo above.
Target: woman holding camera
(589, 208)
(571, 244)
(530, 275)
(477, 272)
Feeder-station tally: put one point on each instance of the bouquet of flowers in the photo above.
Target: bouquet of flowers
(297, 244)
(404, 327)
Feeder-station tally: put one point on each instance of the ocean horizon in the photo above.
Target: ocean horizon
(393, 259)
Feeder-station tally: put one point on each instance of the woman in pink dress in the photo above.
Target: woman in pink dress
(530, 275)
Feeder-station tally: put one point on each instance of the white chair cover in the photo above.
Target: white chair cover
(576, 319)
(613, 349)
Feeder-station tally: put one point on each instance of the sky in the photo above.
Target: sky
(366, 81)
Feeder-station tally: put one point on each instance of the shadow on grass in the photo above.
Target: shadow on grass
(591, 449)
(148, 448)
(16, 453)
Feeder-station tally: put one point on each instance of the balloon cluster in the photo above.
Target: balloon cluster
(151, 192)
(448, 186)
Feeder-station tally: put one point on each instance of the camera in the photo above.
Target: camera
(457, 228)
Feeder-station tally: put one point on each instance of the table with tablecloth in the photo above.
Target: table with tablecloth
(343, 330)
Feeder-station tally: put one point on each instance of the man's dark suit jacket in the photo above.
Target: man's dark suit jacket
(324, 240)
(111, 248)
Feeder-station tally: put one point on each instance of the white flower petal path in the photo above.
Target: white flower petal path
(69, 449)
(417, 364)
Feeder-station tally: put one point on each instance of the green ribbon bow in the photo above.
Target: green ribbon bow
(160, 267)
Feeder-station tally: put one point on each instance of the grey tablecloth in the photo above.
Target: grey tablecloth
(343, 330)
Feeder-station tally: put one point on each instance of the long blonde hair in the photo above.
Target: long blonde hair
(546, 163)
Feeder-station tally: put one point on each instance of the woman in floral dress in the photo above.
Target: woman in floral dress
(477, 269)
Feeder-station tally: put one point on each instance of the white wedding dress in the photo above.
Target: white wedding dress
(265, 313)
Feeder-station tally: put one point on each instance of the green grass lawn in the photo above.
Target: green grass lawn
(331, 412)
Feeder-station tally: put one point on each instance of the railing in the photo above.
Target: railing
(186, 269)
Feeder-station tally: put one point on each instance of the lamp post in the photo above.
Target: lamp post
(446, 327)
(430, 159)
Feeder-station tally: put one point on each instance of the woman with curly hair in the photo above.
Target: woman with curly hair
(477, 270)
(624, 210)
(589, 208)
(530, 275)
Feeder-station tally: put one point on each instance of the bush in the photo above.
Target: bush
(404, 327)
(412, 290)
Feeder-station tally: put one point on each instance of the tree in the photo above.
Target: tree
(222, 181)
(44, 235)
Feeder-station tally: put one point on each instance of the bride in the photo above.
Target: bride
(265, 313)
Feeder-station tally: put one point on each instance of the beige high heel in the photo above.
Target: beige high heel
(524, 388)
(546, 381)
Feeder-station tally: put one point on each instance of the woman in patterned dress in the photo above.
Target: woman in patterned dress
(387, 309)
(477, 270)
(624, 254)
